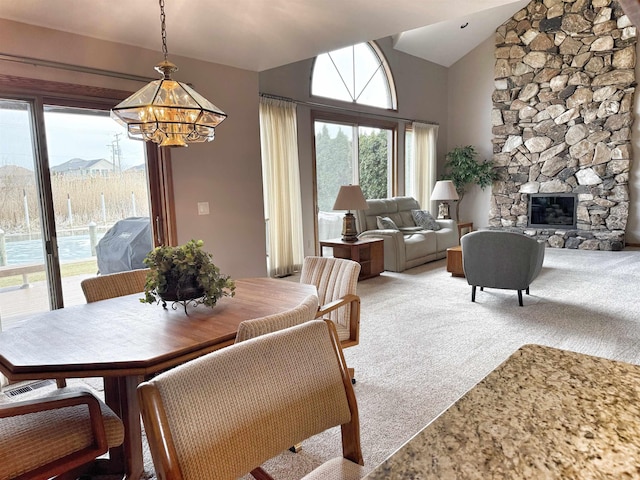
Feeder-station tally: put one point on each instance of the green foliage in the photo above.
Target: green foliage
(373, 164)
(334, 165)
(463, 169)
(185, 266)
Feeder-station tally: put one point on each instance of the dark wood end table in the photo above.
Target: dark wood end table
(368, 252)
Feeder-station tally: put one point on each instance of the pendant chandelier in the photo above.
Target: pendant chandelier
(168, 112)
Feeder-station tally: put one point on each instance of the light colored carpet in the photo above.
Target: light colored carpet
(423, 344)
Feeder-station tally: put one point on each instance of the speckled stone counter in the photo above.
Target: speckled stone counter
(542, 414)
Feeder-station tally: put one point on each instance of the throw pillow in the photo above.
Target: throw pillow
(425, 220)
(385, 223)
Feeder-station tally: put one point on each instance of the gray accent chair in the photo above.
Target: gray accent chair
(501, 259)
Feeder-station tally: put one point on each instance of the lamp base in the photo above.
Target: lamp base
(349, 230)
(443, 211)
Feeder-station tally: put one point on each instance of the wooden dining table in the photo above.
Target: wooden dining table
(124, 341)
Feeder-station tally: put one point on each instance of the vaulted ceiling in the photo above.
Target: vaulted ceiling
(258, 34)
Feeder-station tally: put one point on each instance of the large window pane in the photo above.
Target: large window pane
(334, 167)
(97, 177)
(357, 74)
(341, 161)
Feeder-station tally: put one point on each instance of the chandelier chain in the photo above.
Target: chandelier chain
(164, 30)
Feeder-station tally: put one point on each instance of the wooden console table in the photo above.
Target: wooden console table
(368, 252)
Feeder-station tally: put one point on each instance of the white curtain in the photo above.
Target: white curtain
(425, 139)
(281, 182)
(3, 380)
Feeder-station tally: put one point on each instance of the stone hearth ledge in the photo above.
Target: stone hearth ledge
(543, 413)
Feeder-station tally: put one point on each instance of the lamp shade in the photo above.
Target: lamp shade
(350, 197)
(444, 190)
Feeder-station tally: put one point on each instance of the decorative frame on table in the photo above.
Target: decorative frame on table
(464, 228)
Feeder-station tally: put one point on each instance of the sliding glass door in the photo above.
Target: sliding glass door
(66, 176)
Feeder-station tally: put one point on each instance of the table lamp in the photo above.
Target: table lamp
(445, 191)
(349, 198)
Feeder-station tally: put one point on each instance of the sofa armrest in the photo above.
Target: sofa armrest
(395, 255)
(450, 223)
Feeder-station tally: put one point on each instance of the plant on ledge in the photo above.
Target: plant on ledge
(184, 274)
(464, 169)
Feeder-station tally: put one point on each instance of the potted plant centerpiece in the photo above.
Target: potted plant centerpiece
(184, 274)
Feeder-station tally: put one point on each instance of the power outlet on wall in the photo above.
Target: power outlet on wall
(203, 208)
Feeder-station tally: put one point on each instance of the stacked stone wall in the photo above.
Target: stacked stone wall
(562, 117)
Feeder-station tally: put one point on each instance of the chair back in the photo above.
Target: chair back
(501, 259)
(334, 279)
(114, 285)
(224, 414)
(259, 326)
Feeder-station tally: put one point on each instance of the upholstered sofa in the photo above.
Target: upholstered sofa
(409, 244)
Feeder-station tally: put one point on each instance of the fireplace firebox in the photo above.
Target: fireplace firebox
(552, 210)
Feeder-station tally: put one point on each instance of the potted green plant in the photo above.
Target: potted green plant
(463, 169)
(184, 274)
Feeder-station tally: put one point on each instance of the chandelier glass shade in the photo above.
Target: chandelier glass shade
(168, 112)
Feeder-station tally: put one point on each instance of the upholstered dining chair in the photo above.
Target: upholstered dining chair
(260, 326)
(55, 435)
(336, 280)
(102, 287)
(224, 414)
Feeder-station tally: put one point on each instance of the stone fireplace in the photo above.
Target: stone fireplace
(562, 117)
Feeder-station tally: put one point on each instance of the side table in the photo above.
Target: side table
(454, 261)
(368, 252)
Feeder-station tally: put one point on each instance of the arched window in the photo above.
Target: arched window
(357, 74)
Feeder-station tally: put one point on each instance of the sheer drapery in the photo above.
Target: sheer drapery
(281, 181)
(425, 139)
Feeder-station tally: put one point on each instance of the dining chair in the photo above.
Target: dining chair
(336, 280)
(259, 326)
(102, 287)
(57, 434)
(224, 414)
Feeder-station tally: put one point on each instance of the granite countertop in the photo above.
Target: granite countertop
(544, 413)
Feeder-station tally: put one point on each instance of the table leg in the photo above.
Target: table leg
(120, 395)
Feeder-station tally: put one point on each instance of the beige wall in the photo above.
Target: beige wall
(226, 173)
(470, 90)
(470, 121)
(422, 95)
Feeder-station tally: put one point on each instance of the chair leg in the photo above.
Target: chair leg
(352, 375)
(527, 290)
(473, 293)
(61, 382)
(520, 297)
(296, 448)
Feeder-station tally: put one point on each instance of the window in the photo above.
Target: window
(67, 173)
(357, 74)
(349, 153)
